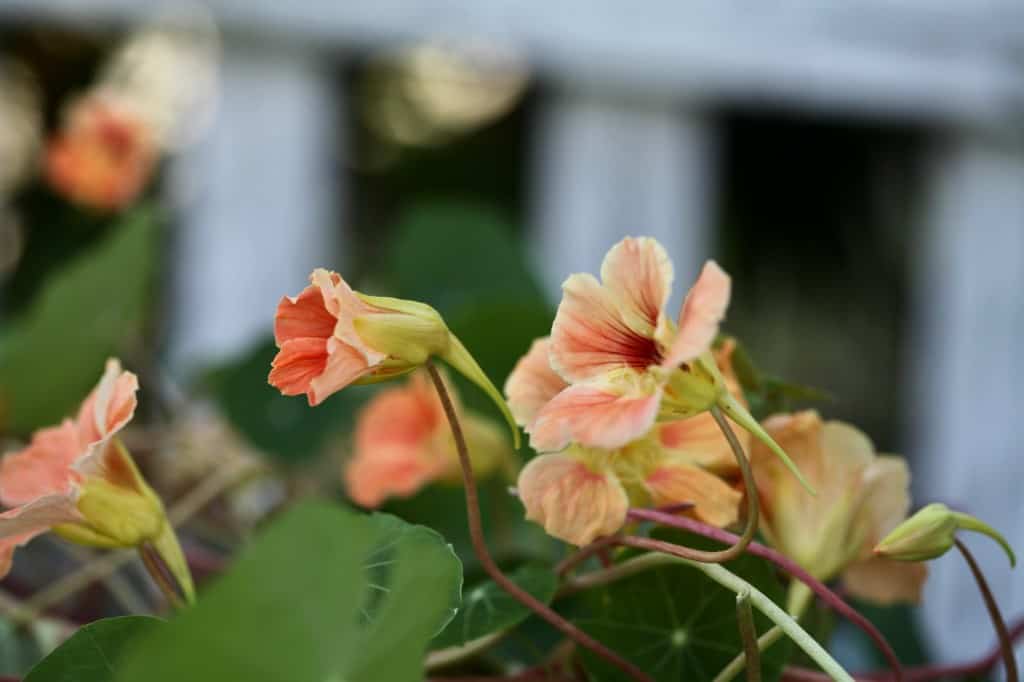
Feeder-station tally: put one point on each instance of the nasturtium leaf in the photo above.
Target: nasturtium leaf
(281, 426)
(53, 353)
(676, 623)
(325, 593)
(452, 253)
(93, 652)
(487, 608)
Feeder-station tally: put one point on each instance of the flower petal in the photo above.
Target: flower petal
(303, 316)
(407, 415)
(714, 500)
(885, 501)
(638, 273)
(596, 415)
(590, 337)
(532, 383)
(885, 581)
(698, 440)
(345, 364)
(110, 406)
(19, 525)
(700, 316)
(296, 365)
(43, 468)
(343, 303)
(571, 500)
(395, 470)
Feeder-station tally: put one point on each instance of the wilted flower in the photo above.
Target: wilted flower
(78, 480)
(862, 496)
(582, 493)
(104, 154)
(330, 336)
(403, 443)
(624, 364)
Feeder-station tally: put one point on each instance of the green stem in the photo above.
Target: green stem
(440, 658)
(748, 633)
(799, 598)
(730, 581)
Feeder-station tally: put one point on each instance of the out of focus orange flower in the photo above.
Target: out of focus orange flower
(103, 155)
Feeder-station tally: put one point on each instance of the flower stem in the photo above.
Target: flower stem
(834, 601)
(731, 581)
(799, 598)
(748, 633)
(476, 534)
(1009, 661)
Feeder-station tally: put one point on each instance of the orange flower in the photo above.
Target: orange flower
(78, 480)
(103, 155)
(862, 496)
(403, 443)
(582, 493)
(330, 336)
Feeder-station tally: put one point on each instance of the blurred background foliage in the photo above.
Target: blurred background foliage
(815, 225)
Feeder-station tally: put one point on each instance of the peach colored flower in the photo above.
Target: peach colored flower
(104, 154)
(862, 496)
(331, 336)
(78, 480)
(620, 355)
(669, 466)
(402, 443)
(617, 365)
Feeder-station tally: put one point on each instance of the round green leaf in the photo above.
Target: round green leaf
(488, 608)
(90, 655)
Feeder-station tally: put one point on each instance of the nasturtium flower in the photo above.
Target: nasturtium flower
(403, 442)
(331, 336)
(624, 363)
(103, 155)
(582, 493)
(861, 497)
(78, 480)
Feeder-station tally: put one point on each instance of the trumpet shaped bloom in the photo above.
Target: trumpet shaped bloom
(863, 496)
(78, 480)
(103, 155)
(330, 336)
(623, 363)
(403, 443)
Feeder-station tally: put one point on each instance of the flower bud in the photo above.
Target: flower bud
(928, 534)
(931, 532)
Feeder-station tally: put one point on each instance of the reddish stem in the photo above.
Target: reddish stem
(1005, 643)
(923, 673)
(783, 562)
(476, 534)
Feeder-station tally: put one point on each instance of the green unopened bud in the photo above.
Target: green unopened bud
(931, 532)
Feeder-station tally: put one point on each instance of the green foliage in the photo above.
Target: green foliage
(488, 608)
(91, 654)
(449, 254)
(767, 394)
(675, 622)
(54, 353)
(282, 426)
(324, 593)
